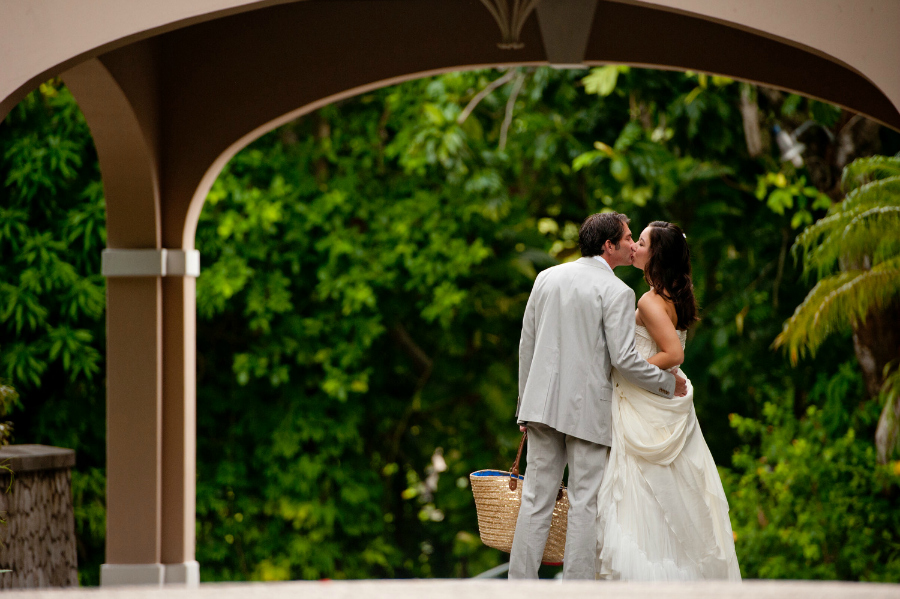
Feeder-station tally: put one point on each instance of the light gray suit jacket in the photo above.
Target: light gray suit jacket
(579, 323)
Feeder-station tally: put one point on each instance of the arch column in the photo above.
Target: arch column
(151, 332)
(179, 456)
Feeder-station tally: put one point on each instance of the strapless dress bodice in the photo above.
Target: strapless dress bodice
(645, 344)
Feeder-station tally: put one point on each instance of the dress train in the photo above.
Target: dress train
(663, 514)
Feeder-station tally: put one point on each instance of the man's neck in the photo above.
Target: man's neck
(604, 259)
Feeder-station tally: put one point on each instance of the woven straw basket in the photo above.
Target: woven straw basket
(498, 496)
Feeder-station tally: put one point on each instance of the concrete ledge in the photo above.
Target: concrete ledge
(187, 574)
(117, 575)
(494, 589)
(27, 458)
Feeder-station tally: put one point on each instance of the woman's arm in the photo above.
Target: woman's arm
(655, 316)
(618, 327)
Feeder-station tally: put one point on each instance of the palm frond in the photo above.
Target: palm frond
(866, 238)
(880, 192)
(866, 220)
(863, 170)
(872, 233)
(838, 302)
(861, 235)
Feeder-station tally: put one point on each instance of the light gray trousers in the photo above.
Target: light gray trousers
(548, 452)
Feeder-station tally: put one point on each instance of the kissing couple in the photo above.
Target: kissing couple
(600, 389)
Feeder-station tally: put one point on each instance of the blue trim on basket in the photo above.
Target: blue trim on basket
(497, 473)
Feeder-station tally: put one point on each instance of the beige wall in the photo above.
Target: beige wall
(39, 38)
(864, 34)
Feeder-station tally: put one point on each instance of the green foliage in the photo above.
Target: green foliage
(9, 399)
(52, 297)
(861, 235)
(369, 268)
(365, 273)
(49, 303)
(807, 497)
(602, 80)
(782, 195)
(380, 336)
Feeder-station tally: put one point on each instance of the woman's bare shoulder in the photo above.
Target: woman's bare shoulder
(652, 300)
(653, 304)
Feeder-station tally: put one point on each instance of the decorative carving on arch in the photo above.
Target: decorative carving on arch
(510, 19)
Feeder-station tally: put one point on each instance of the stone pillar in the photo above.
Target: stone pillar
(150, 329)
(38, 540)
(151, 414)
(179, 428)
(134, 430)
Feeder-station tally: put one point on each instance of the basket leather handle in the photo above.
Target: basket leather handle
(513, 481)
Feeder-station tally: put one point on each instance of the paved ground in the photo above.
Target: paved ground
(488, 589)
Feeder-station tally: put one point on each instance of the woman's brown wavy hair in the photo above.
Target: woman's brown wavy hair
(668, 271)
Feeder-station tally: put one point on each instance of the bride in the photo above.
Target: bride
(663, 514)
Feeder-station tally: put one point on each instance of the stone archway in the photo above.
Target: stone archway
(171, 93)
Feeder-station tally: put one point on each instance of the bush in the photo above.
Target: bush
(808, 499)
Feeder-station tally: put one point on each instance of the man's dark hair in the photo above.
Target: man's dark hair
(599, 228)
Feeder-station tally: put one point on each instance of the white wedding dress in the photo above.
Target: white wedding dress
(663, 514)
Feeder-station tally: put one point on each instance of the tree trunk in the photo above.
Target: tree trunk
(877, 344)
(750, 116)
(887, 435)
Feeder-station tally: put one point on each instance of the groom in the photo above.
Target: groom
(579, 323)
